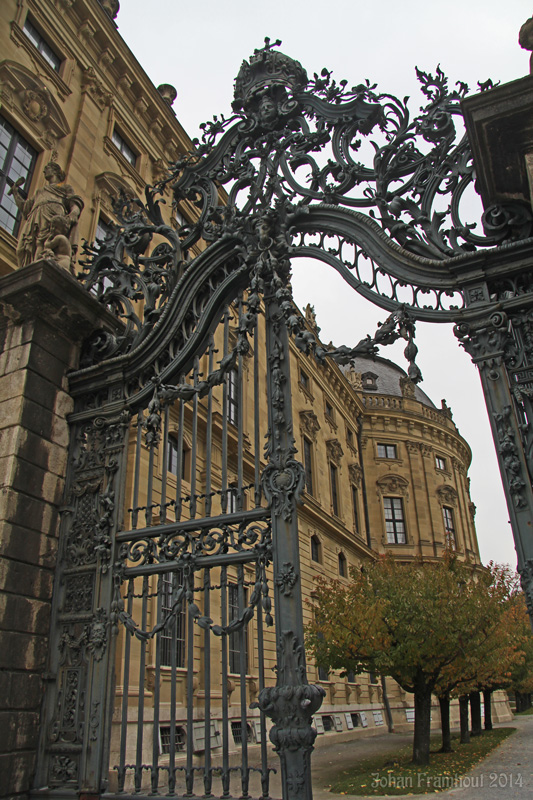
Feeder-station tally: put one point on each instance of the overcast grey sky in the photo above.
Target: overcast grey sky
(198, 48)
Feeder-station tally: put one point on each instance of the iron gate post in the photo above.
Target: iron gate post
(500, 344)
(292, 702)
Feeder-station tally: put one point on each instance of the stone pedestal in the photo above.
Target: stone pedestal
(44, 316)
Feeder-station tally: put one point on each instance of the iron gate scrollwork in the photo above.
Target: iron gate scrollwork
(178, 530)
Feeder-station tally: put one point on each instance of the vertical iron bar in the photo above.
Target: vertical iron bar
(225, 714)
(240, 421)
(173, 676)
(189, 771)
(257, 433)
(140, 705)
(208, 774)
(150, 484)
(194, 443)
(125, 693)
(224, 481)
(243, 647)
(265, 773)
(209, 435)
(157, 692)
(164, 468)
(179, 476)
(136, 478)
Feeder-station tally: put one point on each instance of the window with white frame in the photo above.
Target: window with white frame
(172, 636)
(17, 162)
(40, 43)
(440, 462)
(394, 520)
(387, 451)
(120, 143)
(449, 526)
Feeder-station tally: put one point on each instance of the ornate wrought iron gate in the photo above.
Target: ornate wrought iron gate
(179, 541)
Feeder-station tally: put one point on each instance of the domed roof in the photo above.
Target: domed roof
(386, 378)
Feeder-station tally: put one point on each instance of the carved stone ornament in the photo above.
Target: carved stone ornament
(334, 450)
(34, 105)
(36, 101)
(447, 495)
(355, 471)
(94, 87)
(309, 424)
(97, 634)
(509, 454)
(392, 485)
(472, 511)
(412, 447)
(407, 387)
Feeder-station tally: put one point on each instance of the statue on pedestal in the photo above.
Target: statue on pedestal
(50, 216)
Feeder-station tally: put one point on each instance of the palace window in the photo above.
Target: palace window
(238, 639)
(166, 738)
(342, 565)
(17, 160)
(328, 410)
(172, 636)
(103, 230)
(121, 144)
(236, 729)
(440, 463)
(354, 508)
(394, 520)
(308, 466)
(334, 488)
(233, 397)
(349, 437)
(387, 451)
(449, 527)
(304, 380)
(173, 458)
(42, 46)
(350, 676)
(316, 548)
(233, 499)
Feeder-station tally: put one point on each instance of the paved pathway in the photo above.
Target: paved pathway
(506, 774)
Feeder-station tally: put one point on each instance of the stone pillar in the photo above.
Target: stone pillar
(44, 316)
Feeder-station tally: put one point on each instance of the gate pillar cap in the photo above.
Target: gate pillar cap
(46, 291)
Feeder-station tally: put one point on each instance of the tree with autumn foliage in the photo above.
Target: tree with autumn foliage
(498, 648)
(410, 621)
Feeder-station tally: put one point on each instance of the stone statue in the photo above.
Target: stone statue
(525, 39)
(55, 199)
(57, 246)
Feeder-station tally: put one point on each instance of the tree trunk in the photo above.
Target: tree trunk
(475, 713)
(444, 703)
(463, 718)
(388, 712)
(422, 725)
(487, 703)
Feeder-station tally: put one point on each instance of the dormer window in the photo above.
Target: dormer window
(369, 381)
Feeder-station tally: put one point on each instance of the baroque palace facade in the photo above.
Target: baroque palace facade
(385, 469)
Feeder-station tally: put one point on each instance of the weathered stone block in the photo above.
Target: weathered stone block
(16, 770)
(19, 730)
(44, 363)
(11, 412)
(24, 614)
(12, 386)
(23, 651)
(30, 547)
(36, 418)
(25, 579)
(40, 390)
